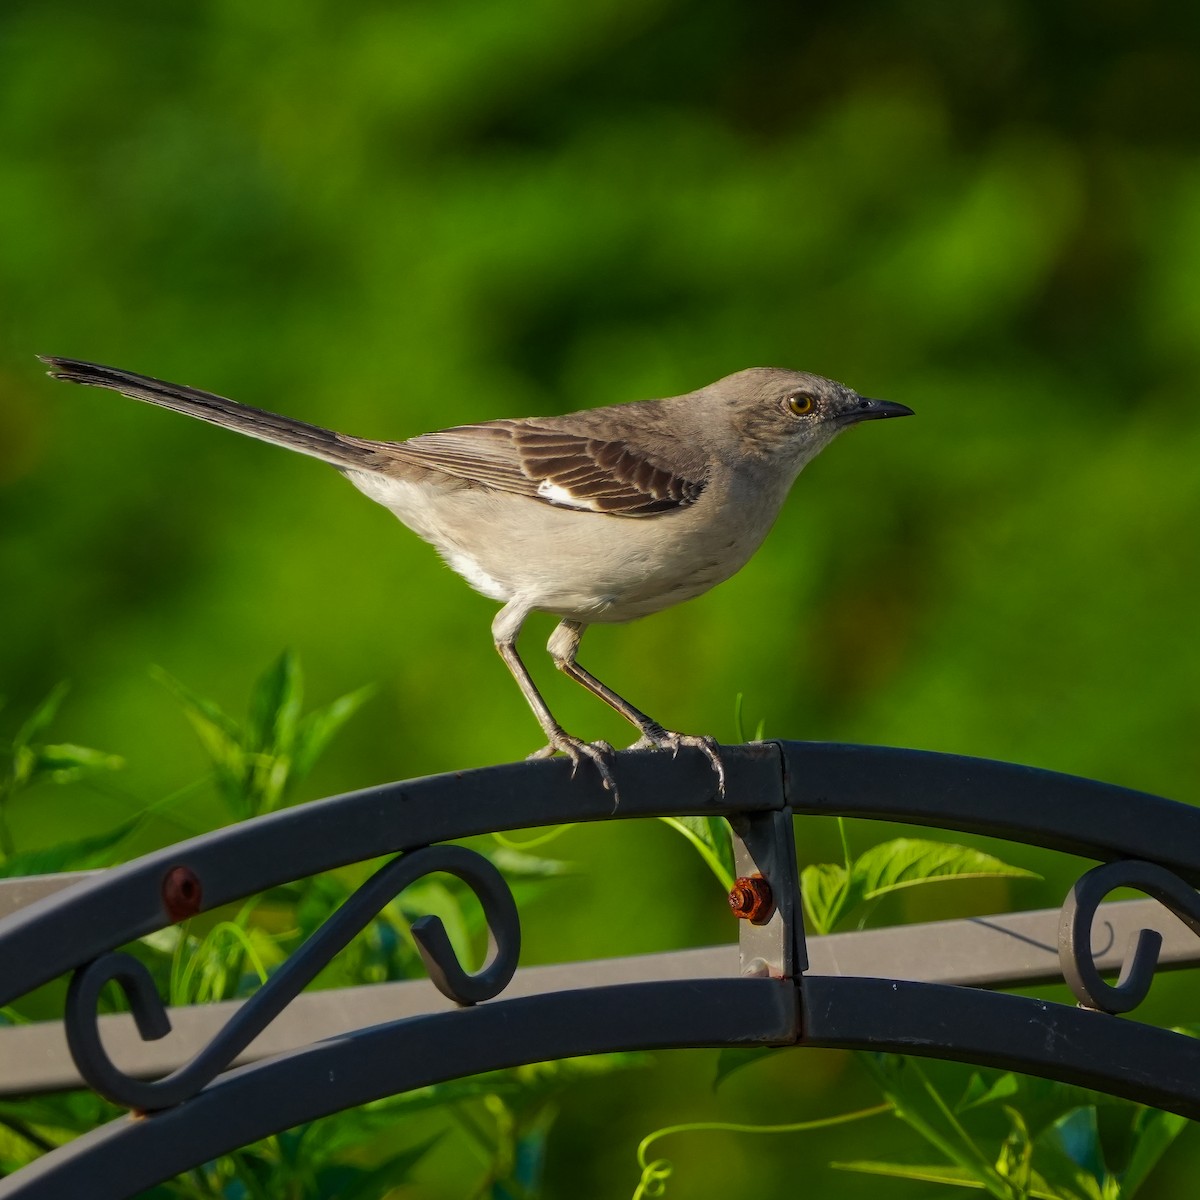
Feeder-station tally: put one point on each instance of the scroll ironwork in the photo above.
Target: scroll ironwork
(1075, 952)
(433, 944)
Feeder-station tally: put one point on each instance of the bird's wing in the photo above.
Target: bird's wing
(562, 467)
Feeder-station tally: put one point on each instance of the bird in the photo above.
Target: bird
(598, 516)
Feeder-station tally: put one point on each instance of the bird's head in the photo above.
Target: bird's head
(790, 416)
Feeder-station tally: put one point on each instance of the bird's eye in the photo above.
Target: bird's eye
(800, 404)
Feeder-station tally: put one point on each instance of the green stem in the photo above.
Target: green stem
(841, 824)
(656, 1172)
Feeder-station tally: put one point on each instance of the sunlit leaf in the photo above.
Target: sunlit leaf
(826, 891)
(908, 862)
(979, 1092)
(1014, 1163)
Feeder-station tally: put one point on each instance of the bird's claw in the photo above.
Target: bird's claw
(576, 749)
(665, 739)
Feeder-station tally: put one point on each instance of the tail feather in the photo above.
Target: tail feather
(330, 447)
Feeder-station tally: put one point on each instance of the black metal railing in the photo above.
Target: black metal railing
(200, 1108)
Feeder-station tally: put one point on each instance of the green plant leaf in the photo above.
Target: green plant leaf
(42, 715)
(80, 855)
(734, 1058)
(953, 1176)
(909, 862)
(65, 762)
(275, 706)
(315, 731)
(1069, 1156)
(936, 1173)
(826, 889)
(919, 1105)
(519, 864)
(1014, 1163)
(255, 764)
(711, 836)
(979, 1092)
(1154, 1131)
(219, 736)
(347, 1182)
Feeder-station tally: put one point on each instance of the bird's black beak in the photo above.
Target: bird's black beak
(864, 409)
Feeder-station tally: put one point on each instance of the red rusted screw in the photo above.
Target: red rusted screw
(181, 893)
(751, 899)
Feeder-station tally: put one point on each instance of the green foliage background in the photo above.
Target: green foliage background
(390, 217)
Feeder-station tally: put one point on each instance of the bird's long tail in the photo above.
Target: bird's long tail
(335, 448)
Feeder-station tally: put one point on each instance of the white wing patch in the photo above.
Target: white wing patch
(555, 493)
(475, 575)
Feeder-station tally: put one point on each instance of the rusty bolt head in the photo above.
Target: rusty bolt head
(751, 899)
(181, 893)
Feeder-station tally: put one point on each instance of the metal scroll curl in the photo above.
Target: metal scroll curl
(82, 1028)
(1075, 954)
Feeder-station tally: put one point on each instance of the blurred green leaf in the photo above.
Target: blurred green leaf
(275, 706)
(733, 1058)
(519, 864)
(315, 731)
(80, 854)
(31, 761)
(713, 840)
(65, 763)
(220, 736)
(1153, 1133)
(953, 1176)
(42, 716)
(1053, 1144)
(1070, 1159)
(256, 764)
(348, 1182)
(739, 727)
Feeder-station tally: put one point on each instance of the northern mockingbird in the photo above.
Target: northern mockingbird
(604, 515)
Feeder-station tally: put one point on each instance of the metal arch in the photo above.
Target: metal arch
(128, 1155)
(1073, 1045)
(1052, 1040)
(1004, 800)
(1023, 804)
(766, 783)
(57, 933)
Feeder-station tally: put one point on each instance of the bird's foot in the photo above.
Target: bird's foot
(657, 738)
(576, 749)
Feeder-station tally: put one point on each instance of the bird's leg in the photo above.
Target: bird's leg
(505, 630)
(564, 645)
